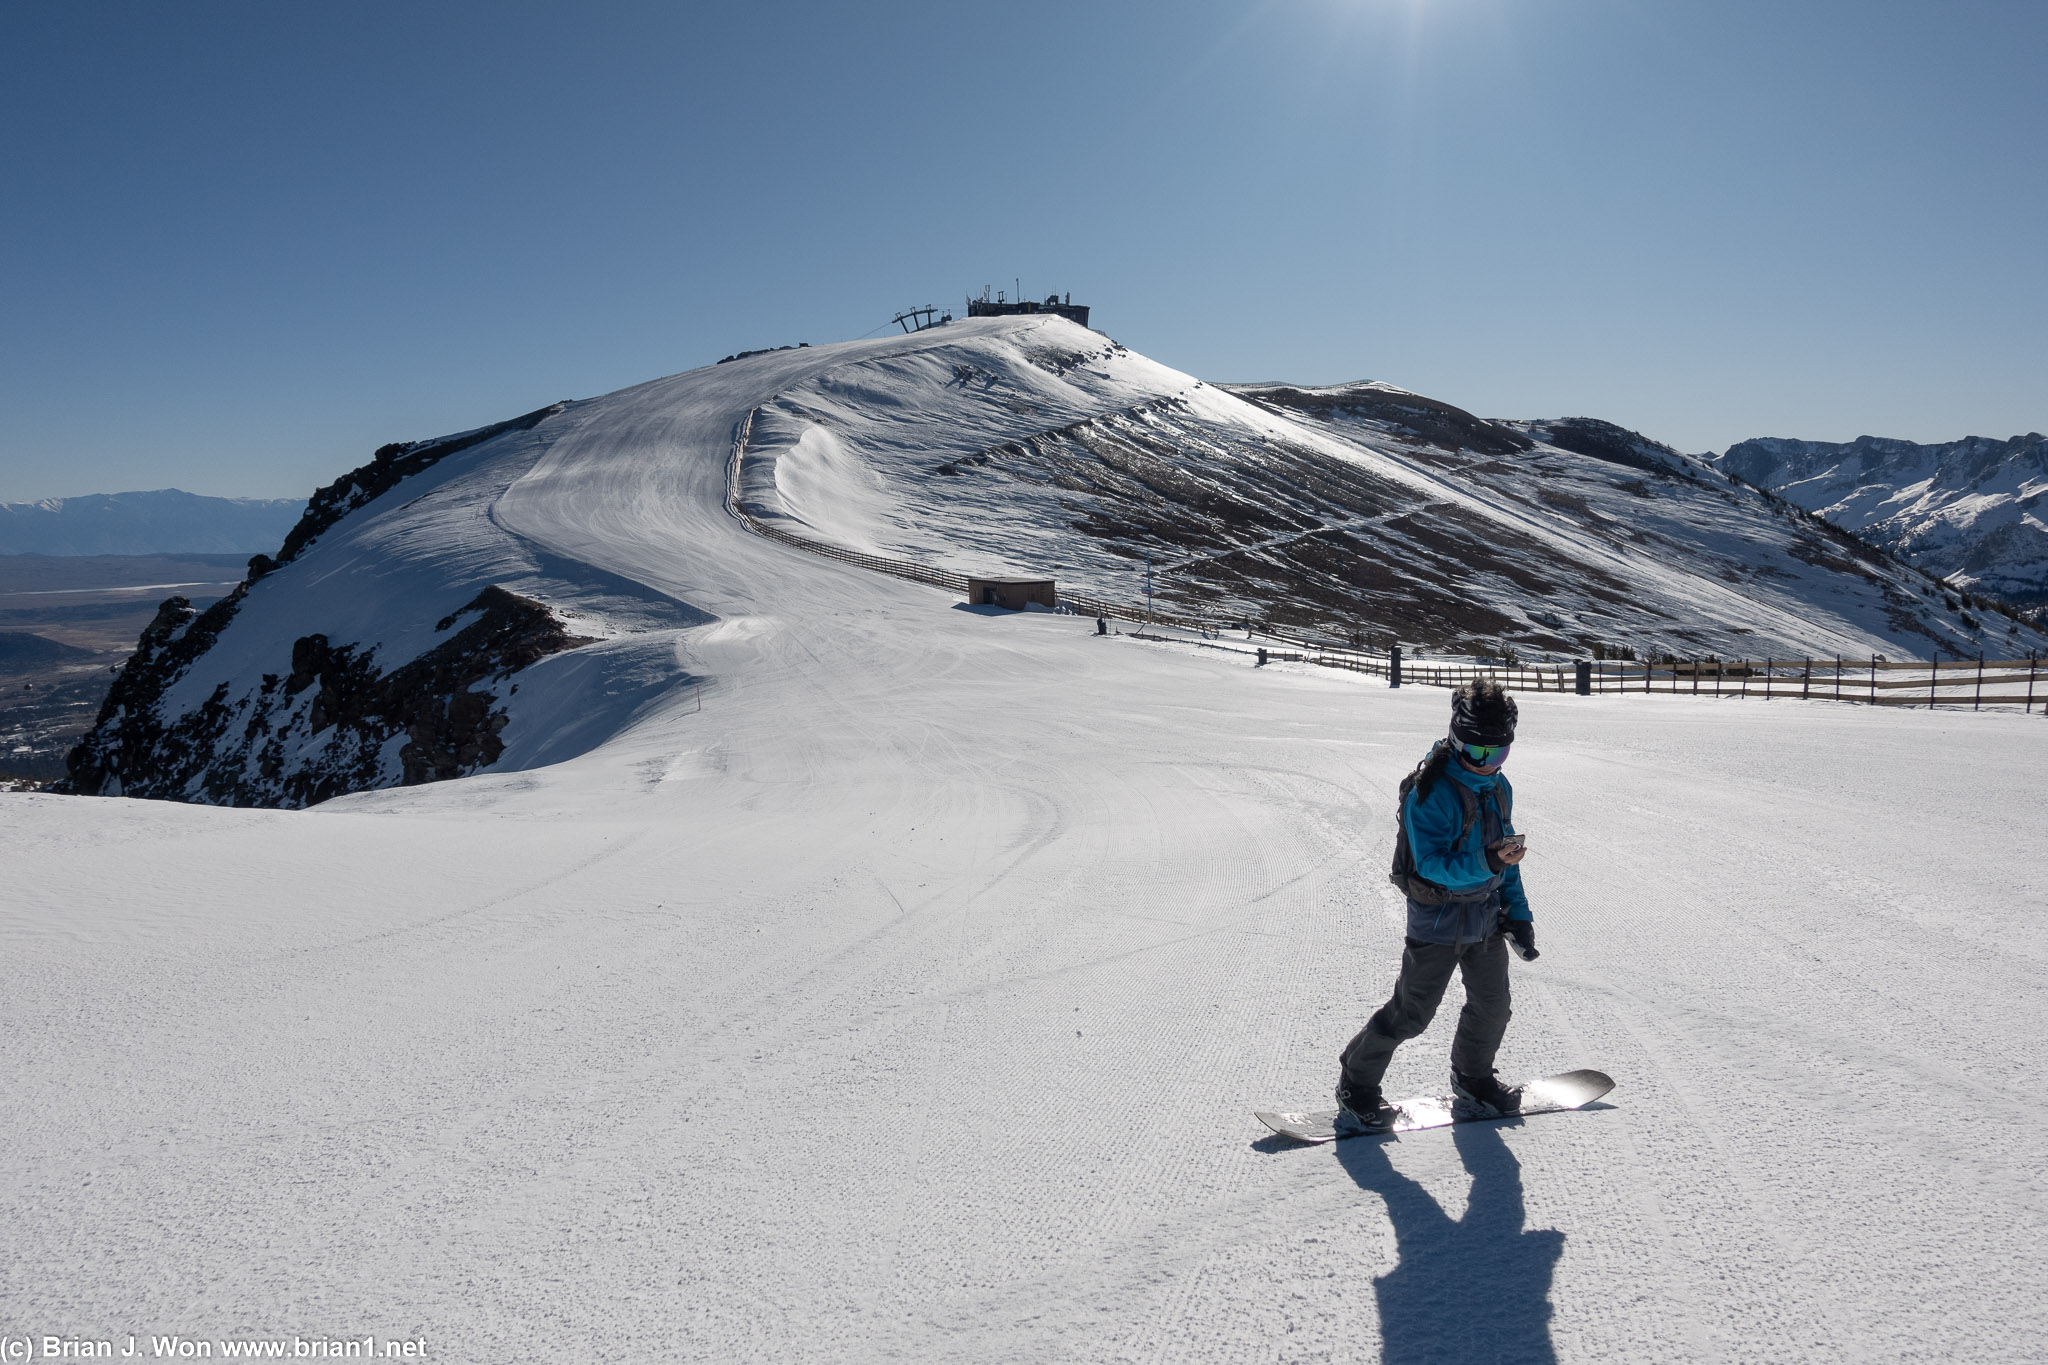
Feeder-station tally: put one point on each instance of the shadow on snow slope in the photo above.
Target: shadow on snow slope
(1469, 1288)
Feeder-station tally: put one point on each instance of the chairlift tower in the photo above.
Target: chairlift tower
(921, 316)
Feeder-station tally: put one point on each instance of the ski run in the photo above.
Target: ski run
(828, 971)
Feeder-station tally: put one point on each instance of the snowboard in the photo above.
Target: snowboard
(1550, 1095)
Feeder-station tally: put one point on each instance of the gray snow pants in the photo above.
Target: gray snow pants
(1418, 990)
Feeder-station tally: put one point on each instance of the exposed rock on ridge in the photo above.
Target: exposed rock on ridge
(1614, 444)
(1388, 410)
(387, 468)
(332, 726)
(290, 742)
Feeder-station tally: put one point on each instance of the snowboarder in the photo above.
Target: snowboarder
(1456, 860)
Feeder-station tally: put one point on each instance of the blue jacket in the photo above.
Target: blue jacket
(1477, 892)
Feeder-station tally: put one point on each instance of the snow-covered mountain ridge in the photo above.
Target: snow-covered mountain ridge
(253, 702)
(593, 542)
(1351, 508)
(1967, 511)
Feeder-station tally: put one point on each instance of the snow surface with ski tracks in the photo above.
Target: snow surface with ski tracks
(876, 978)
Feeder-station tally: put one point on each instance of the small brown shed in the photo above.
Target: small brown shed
(1013, 593)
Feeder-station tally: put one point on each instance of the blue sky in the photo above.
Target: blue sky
(244, 244)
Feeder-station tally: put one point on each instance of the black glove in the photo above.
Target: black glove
(1521, 936)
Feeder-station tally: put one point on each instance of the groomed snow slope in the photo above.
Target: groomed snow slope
(906, 992)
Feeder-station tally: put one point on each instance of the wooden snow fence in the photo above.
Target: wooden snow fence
(1935, 682)
(1974, 683)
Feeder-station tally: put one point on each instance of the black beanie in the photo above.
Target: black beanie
(1482, 713)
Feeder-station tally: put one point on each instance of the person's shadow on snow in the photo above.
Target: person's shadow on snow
(1473, 1289)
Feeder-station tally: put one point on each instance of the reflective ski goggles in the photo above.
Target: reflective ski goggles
(1484, 755)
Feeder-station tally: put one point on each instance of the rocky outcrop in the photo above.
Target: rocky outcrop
(1614, 444)
(387, 468)
(337, 719)
(335, 723)
(765, 350)
(1425, 421)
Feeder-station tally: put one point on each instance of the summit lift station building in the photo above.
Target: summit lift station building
(999, 307)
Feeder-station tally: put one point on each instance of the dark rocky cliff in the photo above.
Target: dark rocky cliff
(337, 718)
(322, 730)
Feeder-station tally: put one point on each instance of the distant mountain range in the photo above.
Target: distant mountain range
(1967, 511)
(166, 521)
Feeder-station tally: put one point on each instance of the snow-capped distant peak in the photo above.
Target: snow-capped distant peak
(1968, 511)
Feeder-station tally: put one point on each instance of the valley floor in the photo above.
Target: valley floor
(910, 998)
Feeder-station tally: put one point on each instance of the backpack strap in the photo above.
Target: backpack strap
(1430, 769)
(1468, 799)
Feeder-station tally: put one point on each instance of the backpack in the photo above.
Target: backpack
(1402, 874)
